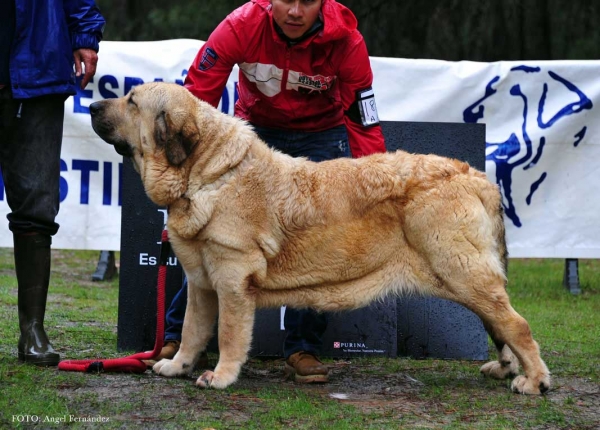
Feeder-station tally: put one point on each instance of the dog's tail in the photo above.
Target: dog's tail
(491, 199)
(500, 234)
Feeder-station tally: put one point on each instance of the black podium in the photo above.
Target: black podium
(418, 327)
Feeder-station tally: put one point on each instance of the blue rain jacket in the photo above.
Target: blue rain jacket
(46, 34)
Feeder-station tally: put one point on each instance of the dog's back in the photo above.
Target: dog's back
(354, 230)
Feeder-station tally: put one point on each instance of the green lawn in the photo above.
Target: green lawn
(363, 393)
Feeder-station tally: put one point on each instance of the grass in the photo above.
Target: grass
(370, 393)
(567, 326)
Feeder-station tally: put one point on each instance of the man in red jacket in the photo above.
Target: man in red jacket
(305, 85)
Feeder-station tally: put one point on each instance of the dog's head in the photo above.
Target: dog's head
(152, 117)
(172, 137)
(156, 126)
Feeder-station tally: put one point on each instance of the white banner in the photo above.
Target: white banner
(543, 145)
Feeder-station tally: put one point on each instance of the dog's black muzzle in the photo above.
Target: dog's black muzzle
(104, 130)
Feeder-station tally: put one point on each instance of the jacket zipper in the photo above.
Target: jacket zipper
(286, 70)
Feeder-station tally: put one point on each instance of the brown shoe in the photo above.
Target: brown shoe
(168, 350)
(306, 368)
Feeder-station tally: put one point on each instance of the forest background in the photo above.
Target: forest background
(476, 30)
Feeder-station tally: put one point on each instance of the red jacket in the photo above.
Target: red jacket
(307, 86)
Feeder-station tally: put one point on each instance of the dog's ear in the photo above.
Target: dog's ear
(178, 142)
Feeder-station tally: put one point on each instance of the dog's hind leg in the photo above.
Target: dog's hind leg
(491, 304)
(236, 321)
(200, 316)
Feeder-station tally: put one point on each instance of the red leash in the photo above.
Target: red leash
(133, 363)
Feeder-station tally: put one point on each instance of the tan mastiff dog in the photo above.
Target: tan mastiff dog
(256, 228)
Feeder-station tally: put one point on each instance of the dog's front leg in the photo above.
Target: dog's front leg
(236, 321)
(200, 315)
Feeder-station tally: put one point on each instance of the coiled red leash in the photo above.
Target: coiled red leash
(133, 363)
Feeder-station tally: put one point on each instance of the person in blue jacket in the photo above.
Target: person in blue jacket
(46, 46)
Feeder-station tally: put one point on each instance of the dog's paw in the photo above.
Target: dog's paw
(210, 379)
(168, 368)
(498, 370)
(205, 380)
(526, 385)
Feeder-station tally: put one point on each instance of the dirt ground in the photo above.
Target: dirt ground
(151, 402)
(393, 396)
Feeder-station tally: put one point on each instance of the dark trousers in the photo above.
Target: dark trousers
(30, 143)
(176, 313)
(304, 327)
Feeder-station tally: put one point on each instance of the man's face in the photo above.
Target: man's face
(295, 17)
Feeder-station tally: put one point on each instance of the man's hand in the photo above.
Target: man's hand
(89, 58)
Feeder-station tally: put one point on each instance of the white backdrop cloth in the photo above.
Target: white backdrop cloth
(542, 133)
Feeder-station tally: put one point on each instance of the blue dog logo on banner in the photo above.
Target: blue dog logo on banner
(525, 118)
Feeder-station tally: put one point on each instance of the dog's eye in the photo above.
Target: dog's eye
(130, 101)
